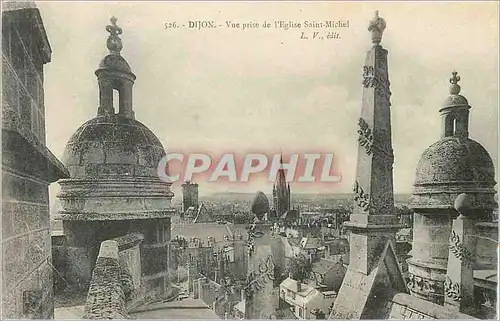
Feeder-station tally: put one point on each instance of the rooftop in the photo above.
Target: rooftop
(184, 309)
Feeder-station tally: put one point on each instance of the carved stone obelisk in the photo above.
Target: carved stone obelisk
(373, 223)
(260, 299)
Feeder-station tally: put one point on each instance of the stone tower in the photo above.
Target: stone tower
(114, 188)
(455, 164)
(281, 192)
(373, 224)
(28, 167)
(189, 196)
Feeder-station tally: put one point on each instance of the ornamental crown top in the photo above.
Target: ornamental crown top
(114, 42)
(455, 87)
(376, 27)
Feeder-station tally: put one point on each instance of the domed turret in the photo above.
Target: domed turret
(455, 164)
(113, 154)
(114, 189)
(448, 170)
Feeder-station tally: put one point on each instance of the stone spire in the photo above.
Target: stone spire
(114, 73)
(373, 213)
(373, 224)
(281, 192)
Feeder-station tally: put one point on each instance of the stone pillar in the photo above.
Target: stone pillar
(459, 283)
(125, 103)
(373, 224)
(259, 300)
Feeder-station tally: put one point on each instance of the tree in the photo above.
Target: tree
(319, 314)
(300, 268)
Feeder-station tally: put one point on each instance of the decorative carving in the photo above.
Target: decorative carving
(32, 303)
(382, 85)
(455, 87)
(459, 250)
(114, 42)
(423, 285)
(368, 76)
(257, 282)
(361, 198)
(377, 77)
(376, 27)
(452, 290)
(365, 138)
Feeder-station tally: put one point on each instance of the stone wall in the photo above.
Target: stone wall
(486, 245)
(107, 293)
(130, 255)
(116, 284)
(28, 167)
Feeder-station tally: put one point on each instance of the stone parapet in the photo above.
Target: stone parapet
(106, 297)
(128, 241)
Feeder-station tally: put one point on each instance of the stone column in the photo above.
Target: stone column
(459, 282)
(259, 300)
(373, 224)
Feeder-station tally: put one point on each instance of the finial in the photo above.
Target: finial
(463, 204)
(377, 27)
(454, 88)
(114, 42)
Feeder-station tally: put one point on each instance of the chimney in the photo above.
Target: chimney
(242, 294)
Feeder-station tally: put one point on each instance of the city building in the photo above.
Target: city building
(28, 166)
(189, 196)
(305, 299)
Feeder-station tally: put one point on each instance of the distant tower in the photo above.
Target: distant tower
(281, 192)
(189, 196)
(455, 164)
(114, 188)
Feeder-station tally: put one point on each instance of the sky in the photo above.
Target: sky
(231, 90)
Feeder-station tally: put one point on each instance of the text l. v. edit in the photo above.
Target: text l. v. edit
(320, 35)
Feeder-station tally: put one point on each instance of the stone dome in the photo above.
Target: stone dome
(114, 62)
(450, 167)
(112, 145)
(455, 160)
(455, 101)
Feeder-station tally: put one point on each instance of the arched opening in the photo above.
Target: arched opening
(116, 100)
(449, 126)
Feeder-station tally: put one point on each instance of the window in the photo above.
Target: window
(116, 100)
